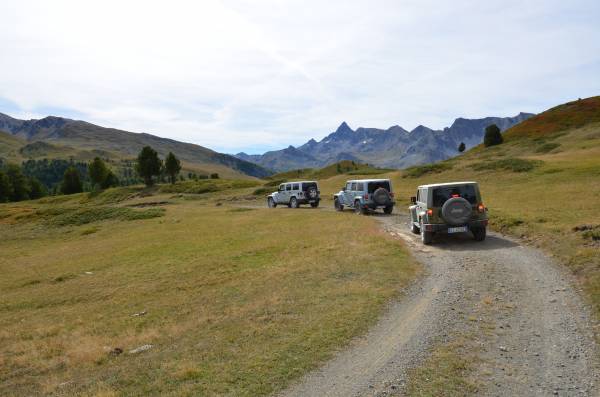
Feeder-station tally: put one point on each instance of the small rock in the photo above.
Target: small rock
(89, 273)
(140, 349)
(142, 313)
(503, 348)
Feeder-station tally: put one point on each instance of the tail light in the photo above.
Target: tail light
(481, 208)
(392, 194)
(366, 196)
(430, 212)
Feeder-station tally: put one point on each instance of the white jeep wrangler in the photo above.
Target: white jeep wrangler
(293, 194)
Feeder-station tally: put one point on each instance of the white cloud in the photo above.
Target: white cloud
(254, 75)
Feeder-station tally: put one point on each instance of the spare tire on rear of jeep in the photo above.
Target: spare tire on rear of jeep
(456, 211)
(311, 193)
(382, 197)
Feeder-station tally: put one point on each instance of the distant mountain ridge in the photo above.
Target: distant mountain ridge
(391, 148)
(89, 138)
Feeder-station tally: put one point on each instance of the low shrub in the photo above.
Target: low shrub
(261, 191)
(509, 164)
(547, 147)
(207, 186)
(67, 216)
(420, 170)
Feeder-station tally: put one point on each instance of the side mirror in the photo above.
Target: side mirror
(344, 189)
(413, 200)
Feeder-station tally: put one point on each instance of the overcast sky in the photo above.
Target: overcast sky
(258, 75)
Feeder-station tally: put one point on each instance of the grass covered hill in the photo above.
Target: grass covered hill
(56, 137)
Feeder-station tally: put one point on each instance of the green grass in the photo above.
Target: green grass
(547, 147)
(445, 373)
(420, 170)
(235, 304)
(508, 164)
(207, 186)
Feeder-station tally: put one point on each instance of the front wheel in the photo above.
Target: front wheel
(426, 237)
(479, 233)
(338, 206)
(315, 204)
(414, 228)
(271, 203)
(358, 209)
(293, 202)
(388, 210)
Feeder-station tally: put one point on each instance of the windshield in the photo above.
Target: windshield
(441, 194)
(376, 185)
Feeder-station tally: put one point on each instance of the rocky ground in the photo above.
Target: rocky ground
(528, 331)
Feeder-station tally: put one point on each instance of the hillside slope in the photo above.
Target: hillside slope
(118, 144)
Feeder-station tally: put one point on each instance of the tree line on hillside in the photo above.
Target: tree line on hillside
(38, 178)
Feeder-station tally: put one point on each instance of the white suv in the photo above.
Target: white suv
(293, 194)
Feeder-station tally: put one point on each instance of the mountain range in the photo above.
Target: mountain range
(58, 137)
(391, 148)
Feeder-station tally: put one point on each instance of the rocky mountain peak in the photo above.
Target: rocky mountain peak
(343, 128)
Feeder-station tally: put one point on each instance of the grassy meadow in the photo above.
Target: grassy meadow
(233, 300)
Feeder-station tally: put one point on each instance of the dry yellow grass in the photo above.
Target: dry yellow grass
(239, 302)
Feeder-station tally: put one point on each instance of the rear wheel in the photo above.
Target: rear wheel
(271, 203)
(479, 233)
(338, 206)
(315, 204)
(426, 237)
(293, 202)
(388, 210)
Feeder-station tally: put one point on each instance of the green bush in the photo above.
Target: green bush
(547, 147)
(261, 191)
(509, 164)
(68, 216)
(420, 170)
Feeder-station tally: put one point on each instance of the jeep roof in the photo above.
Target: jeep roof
(449, 184)
(368, 180)
(283, 183)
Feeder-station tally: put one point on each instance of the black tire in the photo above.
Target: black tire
(388, 210)
(426, 237)
(381, 197)
(315, 204)
(337, 205)
(294, 202)
(311, 193)
(358, 209)
(479, 233)
(456, 211)
(414, 228)
(271, 203)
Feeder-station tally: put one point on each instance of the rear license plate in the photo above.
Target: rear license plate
(457, 229)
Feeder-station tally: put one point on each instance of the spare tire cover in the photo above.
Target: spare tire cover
(311, 193)
(381, 196)
(456, 211)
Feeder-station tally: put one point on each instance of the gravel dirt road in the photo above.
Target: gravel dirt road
(532, 330)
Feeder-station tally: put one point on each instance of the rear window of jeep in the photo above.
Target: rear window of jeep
(306, 186)
(442, 194)
(376, 185)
